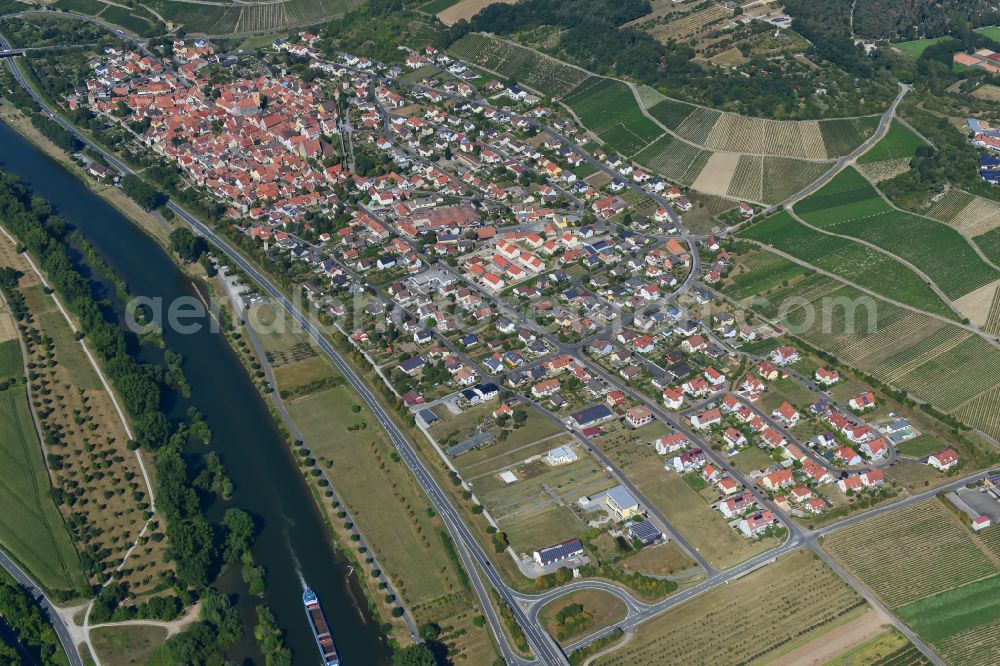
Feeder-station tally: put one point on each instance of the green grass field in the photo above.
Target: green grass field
(898, 143)
(31, 529)
(11, 361)
(991, 31)
(917, 47)
(849, 260)
(610, 110)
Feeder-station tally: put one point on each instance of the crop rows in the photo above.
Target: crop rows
(258, 17)
(546, 75)
(745, 134)
(978, 217)
(695, 168)
(992, 324)
(950, 205)
(761, 272)
(934, 248)
(983, 412)
(670, 112)
(898, 143)
(979, 646)
(672, 158)
(799, 602)
(920, 446)
(908, 359)
(956, 376)
(650, 97)
(910, 553)
(746, 182)
(849, 260)
(892, 325)
(784, 176)
(991, 539)
(609, 109)
(686, 27)
(908, 655)
(989, 243)
(697, 126)
(843, 135)
(785, 300)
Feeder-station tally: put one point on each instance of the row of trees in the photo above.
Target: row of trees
(20, 612)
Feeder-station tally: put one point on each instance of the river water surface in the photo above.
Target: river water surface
(293, 543)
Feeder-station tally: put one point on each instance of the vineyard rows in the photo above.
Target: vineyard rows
(761, 272)
(992, 325)
(798, 602)
(979, 646)
(684, 28)
(902, 362)
(746, 182)
(950, 205)
(673, 158)
(784, 177)
(697, 126)
(547, 75)
(849, 260)
(934, 248)
(956, 376)
(978, 217)
(910, 553)
(983, 412)
(745, 134)
(670, 112)
(609, 109)
(843, 135)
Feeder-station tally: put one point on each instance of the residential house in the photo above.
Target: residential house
(943, 460)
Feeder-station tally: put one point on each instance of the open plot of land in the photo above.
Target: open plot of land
(663, 559)
(600, 610)
(910, 553)
(125, 646)
(803, 597)
(717, 174)
(849, 260)
(609, 109)
(899, 142)
(916, 47)
(394, 520)
(464, 9)
(546, 75)
(853, 208)
(889, 647)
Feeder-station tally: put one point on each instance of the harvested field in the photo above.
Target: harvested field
(988, 92)
(717, 174)
(835, 642)
(910, 553)
(465, 10)
(803, 598)
(976, 306)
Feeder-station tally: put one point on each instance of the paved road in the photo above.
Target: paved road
(62, 631)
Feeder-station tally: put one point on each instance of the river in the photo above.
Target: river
(293, 543)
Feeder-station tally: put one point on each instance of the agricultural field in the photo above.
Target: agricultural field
(842, 135)
(697, 126)
(848, 205)
(686, 27)
(770, 179)
(887, 648)
(920, 446)
(761, 272)
(784, 177)
(548, 76)
(435, 6)
(224, 19)
(983, 412)
(127, 645)
(609, 109)
(140, 23)
(911, 553)
(989, 243)
(744, 134)
(670, 112)
(674, 159)
(803, 599)
(968, 214)
(848, 260)
(898, 143)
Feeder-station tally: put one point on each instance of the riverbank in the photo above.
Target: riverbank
(150, 222)
(293, 545)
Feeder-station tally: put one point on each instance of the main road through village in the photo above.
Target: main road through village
(524, 608)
